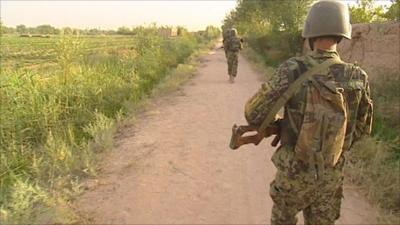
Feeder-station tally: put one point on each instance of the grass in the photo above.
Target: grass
(374, 163)
(19, 52)
(371, 165)
(258, 62)
(54, 123)
(181, 73)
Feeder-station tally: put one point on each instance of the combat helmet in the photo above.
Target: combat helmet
(327, 18)
(233, 32)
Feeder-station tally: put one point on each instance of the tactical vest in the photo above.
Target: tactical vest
(234, 44)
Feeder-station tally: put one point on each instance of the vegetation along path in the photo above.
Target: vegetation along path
(174, 165)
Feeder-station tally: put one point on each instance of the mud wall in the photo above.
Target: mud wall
(375, 47)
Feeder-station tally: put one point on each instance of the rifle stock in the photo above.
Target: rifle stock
(240, 138)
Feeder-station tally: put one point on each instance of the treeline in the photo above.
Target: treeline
(210, 31)
(273, 28)
(366, 12)
(47, 29)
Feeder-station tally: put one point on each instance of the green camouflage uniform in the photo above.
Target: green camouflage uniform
(295, 189)
(225, 36)
(232, 47)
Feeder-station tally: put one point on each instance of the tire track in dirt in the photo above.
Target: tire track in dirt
(177, 167)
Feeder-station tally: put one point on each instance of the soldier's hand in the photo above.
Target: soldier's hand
(273, 129)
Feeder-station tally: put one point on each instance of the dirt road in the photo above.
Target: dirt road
(174, 164)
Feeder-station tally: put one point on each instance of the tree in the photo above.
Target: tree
(212, 32)
(270, 24)
(110, 32)
(21, 29)
(6, 30)
(393, 12)
(93, 31)
(366, 12)
(124, 31)
(182, 31)
(2, 28)
(67, 30)
(46, 29)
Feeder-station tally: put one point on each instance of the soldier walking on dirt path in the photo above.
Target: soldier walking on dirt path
(232, 44)
(329, 110)
(225, 37)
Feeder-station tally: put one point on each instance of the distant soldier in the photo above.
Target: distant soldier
(225, 37)
(327, 107)
(232, 45)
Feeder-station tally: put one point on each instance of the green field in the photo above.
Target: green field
(60, 98)
(33, 51)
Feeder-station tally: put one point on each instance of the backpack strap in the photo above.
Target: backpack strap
(293, 88)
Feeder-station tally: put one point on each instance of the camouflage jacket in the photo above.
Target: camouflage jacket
(232, 44)
(350, 77)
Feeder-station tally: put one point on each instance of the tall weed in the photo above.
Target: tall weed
(54, 124)
(372, 166)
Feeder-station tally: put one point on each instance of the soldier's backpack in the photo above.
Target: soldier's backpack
(322, 134)
(234, 44)
(321, 137)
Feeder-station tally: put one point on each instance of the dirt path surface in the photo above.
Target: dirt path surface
(174, 165)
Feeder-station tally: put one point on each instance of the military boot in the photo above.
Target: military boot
(231, 79)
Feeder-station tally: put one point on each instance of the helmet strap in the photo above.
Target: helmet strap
(311, 43)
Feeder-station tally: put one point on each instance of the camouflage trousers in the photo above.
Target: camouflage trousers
(232, 58)
(295, 189)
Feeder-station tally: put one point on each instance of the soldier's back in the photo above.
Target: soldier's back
(347, 76)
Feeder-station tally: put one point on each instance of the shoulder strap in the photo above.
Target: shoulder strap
(293, 88)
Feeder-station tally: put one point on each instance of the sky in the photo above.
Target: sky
(194, 15)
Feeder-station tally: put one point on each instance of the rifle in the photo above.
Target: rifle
(239, 138)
